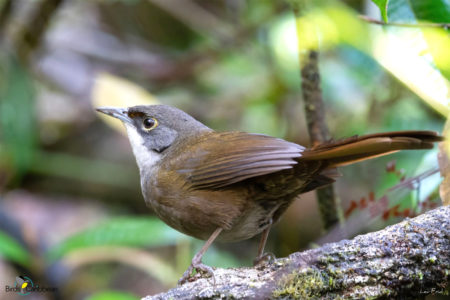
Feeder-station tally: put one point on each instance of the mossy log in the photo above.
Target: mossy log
(405, 261)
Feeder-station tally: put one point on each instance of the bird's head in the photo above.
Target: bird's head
(152, 129)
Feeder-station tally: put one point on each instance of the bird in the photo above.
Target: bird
(230, 186)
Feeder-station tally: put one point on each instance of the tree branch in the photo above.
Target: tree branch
(408, 260)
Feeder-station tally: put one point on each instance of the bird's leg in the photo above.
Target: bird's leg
(197, 260)
(261, 257)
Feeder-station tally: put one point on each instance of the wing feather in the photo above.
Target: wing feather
(244, 155)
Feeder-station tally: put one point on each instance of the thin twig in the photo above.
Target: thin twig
(412, 182)
(315, 116)
(418, 25)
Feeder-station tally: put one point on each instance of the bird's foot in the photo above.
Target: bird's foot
(199, 268)
(196, 263)
(264, 259)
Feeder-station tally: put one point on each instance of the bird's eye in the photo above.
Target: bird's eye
(150, 123)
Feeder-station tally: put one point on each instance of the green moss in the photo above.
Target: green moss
(307, 284)
(446, 291)
(331, 282)
(420, 274)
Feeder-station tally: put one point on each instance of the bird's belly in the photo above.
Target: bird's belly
(252, 222)
(201, 216)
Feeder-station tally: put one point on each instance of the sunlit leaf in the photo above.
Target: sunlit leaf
(402, 54)
(407, 53)
(382, 5)
(432, 11)
(438, 41)
(124, 231)
(112, 295)
(13, 251)
(329, 25)
(110, 90)
(325, 27)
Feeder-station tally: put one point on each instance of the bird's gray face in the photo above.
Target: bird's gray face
(152, 129)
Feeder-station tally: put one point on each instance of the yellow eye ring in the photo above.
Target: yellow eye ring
(149, 123)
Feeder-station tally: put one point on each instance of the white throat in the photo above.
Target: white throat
(145, 158)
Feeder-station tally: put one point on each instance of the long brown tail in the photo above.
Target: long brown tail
(358, 148)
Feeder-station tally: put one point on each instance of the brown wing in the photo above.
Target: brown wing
(225, 158)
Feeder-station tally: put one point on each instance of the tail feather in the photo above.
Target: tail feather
(354, 149)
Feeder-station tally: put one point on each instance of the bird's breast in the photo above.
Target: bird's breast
(199, 213)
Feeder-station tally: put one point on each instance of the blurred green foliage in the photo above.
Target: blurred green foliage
(18, 134)
(82, 169)
(112, 295)
(240, 74)
(123, 231)
(13, 251)
(432, 11)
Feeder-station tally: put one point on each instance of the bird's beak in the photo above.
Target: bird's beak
(119, 113)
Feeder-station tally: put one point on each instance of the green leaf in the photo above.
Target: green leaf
(13, 251)
(112, 295)
(122, 231)
(17, 122)
(438, 41)
(436, 11)
(418, 56)
(383, 6)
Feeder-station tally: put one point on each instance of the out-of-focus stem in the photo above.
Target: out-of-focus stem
(314, 107)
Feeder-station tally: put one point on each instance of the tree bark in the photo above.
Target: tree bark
(404, 261)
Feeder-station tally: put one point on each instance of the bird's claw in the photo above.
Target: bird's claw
(264, 259)
(199, 268)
